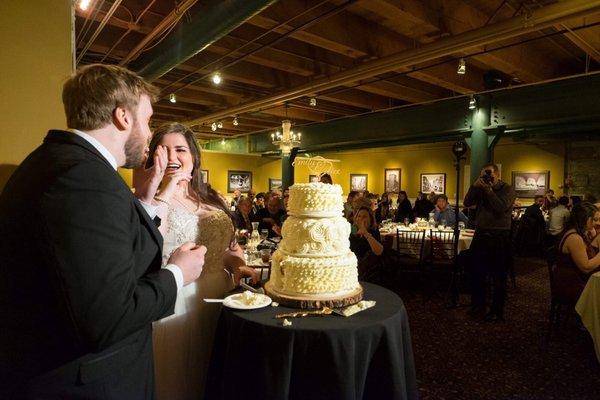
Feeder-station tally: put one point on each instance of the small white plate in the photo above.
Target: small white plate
(233, 302)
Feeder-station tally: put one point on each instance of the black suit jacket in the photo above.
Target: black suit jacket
(81, 278)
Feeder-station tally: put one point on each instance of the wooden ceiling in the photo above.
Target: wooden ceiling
(295, 42)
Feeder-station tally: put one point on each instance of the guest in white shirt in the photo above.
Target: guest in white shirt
(559, 216)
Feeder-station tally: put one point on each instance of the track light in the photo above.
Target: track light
(223, 141)
(472, 103)
(462, 67)
(235, 121)
(172, 98)
(220, 125)
(213, 126)
(84, 4)
(313, 102)
(216, 78)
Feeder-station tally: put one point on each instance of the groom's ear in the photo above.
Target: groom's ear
(122, 118)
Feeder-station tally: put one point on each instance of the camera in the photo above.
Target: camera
(487, 178)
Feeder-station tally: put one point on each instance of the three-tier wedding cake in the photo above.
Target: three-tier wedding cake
(313, 265)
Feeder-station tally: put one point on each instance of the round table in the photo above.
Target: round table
(365, 356)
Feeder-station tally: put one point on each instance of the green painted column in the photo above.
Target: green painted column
(479, 141)
(287, 169)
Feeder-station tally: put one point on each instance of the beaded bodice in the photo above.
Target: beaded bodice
(213, 230)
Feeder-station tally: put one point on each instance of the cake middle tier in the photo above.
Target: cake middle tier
(315, 236)
(311, 275)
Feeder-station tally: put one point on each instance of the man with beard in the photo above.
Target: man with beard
(80, 256)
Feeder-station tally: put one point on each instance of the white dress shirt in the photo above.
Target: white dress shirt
(558, 219)
(151, 210)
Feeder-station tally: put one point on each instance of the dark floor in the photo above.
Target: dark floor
(457, 358)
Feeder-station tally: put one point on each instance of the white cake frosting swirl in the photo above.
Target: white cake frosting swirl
(314, 255)
(315, 199)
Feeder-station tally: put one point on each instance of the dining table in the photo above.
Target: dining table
(464, 240)
(364, 356)
(588, 308)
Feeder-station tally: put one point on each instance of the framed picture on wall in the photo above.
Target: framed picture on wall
(434, 182)
(392, 180)
(530, 183)
(358, 182)
(239, 180)
(204, 175)
(313, 178)
(275, 183)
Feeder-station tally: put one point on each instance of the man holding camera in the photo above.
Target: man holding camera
(491, 243)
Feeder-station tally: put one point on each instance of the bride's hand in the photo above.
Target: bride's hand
(246, 272)
(146, 181)
(170, 182)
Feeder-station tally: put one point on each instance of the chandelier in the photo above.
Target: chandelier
(286, 140)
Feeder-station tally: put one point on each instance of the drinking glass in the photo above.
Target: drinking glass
(461, 225)
(265, 255)
(263, 234)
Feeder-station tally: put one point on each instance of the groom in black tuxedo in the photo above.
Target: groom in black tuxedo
(80, 256)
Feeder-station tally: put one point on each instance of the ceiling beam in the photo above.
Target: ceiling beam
(503, 30)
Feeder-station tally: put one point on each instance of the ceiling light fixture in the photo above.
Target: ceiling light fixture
(235, 121)
(472, 103)
(462, 67)
(84, 4)
(223, 141)
(313, 102)
(213, 126)
(172, 98)
(286, 140)
(216, 78)
(220, 125)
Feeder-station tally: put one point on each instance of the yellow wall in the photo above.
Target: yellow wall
(525, 157)
(413, 160)
(35, 38)
(218, 163)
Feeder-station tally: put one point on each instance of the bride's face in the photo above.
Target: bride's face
(180, 157)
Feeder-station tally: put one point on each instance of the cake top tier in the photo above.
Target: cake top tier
(315, 200)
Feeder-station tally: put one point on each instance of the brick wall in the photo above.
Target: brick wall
(584, 167)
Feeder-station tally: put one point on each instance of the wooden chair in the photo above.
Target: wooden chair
(410, 246)
(441, 260)
(559, 306)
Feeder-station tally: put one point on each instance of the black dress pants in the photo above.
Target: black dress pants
(492, 258)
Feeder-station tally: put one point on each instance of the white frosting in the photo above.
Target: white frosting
(302, 275)
(315, 199)
(315, 237)
(314, 256)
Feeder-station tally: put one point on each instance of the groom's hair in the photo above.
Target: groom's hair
(91, 95)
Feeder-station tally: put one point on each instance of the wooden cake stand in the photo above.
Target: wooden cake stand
(314, 301)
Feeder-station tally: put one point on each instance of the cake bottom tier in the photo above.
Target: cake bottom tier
(314, 275)
(338, 300)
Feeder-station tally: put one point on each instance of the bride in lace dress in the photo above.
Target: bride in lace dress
(191, 211)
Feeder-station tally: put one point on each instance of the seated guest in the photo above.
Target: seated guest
(444, 214)
(270, 217)
(432, 197)
(365, 235)
(404, 212)
(259, 202)
(326, 178)
(236, 197)
(373, 201)
(573, 201)
(590, 198)
(423, 206)
(559, 216)
(383, 211)
(578, 255)
(348, 204)
(530, 234)
(286, 199)
(244, 214)
(549, 200)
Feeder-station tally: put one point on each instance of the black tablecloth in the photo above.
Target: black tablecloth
(365, 356)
